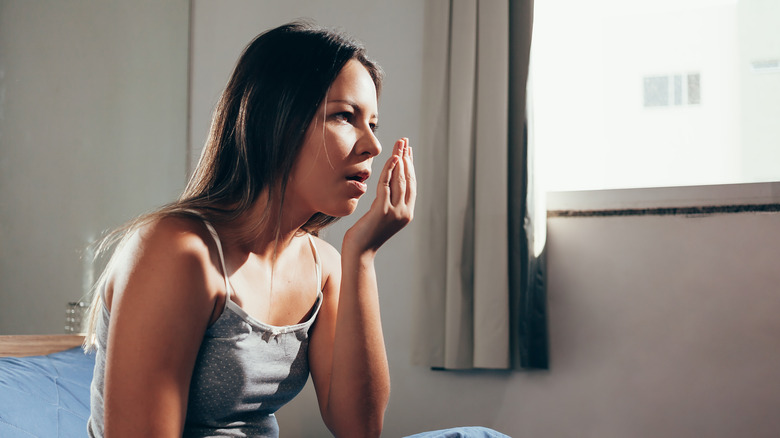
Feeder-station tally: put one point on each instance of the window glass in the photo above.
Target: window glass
(655, 93)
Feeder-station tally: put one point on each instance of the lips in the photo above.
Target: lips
(358, 181)
(360, 176)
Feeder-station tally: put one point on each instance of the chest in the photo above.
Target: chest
(281, 293)
(246, 371)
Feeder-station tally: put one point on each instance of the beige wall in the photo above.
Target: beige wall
(660, 326)
(93, 117)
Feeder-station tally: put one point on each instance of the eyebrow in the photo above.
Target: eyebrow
(353, 104)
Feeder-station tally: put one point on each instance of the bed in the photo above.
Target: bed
(44, 386)
(44, 390)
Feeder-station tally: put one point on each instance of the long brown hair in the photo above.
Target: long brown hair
(257, 131)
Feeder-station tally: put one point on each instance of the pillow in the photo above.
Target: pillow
(45, 396)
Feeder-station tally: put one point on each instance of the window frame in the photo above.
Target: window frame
(679, 200)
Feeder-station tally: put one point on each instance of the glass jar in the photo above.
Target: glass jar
(75, 312)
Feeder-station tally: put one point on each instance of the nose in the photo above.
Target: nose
(368, 144)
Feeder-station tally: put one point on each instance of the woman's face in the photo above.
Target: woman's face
(330, 172)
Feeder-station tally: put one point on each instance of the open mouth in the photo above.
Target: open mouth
(359, 177)
(358, 181)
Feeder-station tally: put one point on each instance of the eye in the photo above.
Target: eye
(373, 126)
(343, 117)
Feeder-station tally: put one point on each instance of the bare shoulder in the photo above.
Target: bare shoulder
(331, 260)
(178, 233)
(328, 253)
(163, 293)
(168, 241)
(160, 251)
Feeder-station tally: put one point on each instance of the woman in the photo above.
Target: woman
(214, 309)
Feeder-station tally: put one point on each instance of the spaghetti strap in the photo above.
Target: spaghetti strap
(316, 262)
(221, 258)
(228, 288)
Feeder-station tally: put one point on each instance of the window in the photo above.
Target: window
(672, 90)
(655, 93)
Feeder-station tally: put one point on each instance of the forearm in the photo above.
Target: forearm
(360, 378)
(359, 382)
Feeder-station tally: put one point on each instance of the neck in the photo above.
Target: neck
(264, 231)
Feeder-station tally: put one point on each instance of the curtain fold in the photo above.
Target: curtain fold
(476, 262)
(491, 289)
(527, 212)
(459, 159)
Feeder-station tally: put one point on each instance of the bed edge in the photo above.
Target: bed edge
(37, 345)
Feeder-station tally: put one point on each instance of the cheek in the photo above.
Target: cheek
(311, 161)
(339, 143)
(322, 160)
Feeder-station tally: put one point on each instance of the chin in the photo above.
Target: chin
(344, 210)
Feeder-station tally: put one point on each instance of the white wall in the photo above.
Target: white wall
(93, 117)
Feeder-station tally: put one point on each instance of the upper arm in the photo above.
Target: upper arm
(324, 330)
(161, 299)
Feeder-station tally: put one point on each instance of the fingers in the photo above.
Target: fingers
(383, 190)
(398, 177)
(411, 179)
(398, 183)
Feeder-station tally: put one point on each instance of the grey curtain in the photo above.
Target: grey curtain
(483, 295)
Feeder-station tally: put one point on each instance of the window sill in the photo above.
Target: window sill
(689, 200)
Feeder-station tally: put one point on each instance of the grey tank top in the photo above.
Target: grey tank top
(245, 370)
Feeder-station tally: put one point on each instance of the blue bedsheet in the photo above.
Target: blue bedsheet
(48, 397)
(461, 432)
(45, 396)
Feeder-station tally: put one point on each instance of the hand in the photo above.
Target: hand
(393, 207)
